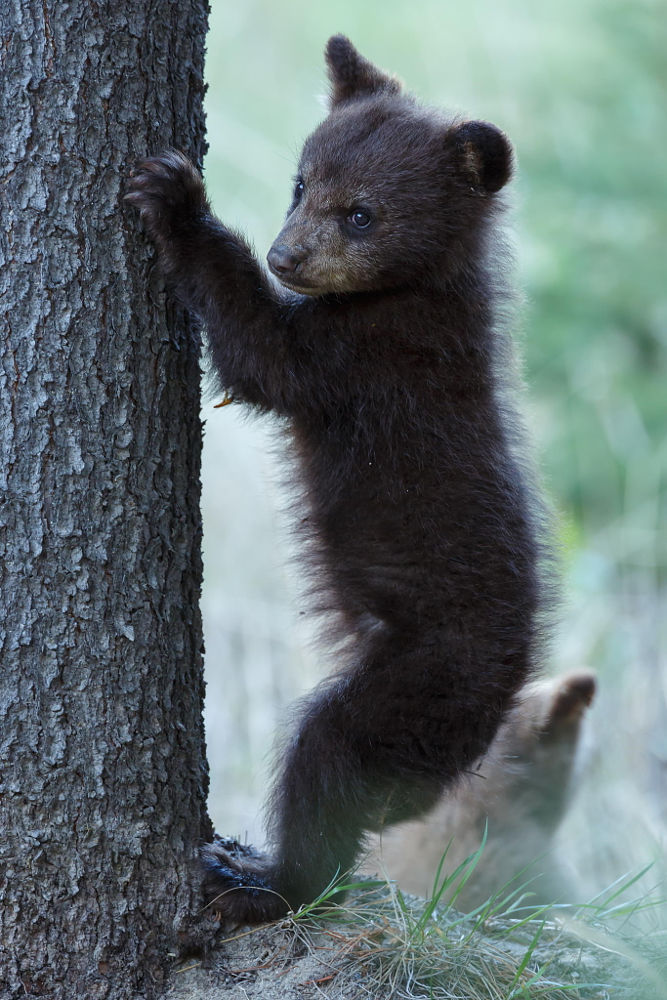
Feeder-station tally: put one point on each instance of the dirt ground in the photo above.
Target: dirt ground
(270, 963)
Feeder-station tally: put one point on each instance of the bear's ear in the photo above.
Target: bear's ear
(483, 155)
(573, 694)
(353, 76)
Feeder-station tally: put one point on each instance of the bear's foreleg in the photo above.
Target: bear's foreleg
(215, 274)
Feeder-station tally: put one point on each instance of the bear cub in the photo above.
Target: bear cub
(377, 341)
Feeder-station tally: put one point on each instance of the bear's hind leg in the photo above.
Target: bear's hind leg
(375, 746)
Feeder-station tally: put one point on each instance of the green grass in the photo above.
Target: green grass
(395, 946)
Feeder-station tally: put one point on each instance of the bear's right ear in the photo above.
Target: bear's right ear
(353, 76)
(483, 155)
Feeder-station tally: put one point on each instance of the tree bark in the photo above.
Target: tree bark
(102, 767)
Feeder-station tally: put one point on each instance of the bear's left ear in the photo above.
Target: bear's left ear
(353, 76)
(483, 155)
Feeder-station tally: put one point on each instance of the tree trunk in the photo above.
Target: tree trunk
(102, 766)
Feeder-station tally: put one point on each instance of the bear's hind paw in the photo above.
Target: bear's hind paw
(238, 883)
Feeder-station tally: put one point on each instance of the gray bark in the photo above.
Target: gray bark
(102, 767)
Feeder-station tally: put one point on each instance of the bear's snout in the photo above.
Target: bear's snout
(284, 260)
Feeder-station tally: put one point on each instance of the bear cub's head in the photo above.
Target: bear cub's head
(388, 193)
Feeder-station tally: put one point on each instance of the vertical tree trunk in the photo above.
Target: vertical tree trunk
(102, 766)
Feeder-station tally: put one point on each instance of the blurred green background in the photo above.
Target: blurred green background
(581, 88)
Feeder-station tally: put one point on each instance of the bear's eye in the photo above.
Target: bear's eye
(360, 219)
(298, 189)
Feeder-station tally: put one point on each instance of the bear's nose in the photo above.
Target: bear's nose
(285, 260)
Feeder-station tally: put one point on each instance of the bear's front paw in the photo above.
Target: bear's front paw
(239, 884)
(169, 193)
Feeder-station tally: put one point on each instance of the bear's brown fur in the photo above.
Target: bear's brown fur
(519, 794)
(383, 353)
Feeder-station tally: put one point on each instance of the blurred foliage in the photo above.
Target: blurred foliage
(581, 88)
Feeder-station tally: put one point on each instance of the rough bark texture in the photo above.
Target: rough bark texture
(102, 768)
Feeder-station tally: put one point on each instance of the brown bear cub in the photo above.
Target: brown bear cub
(519, 795)
(380, 349)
